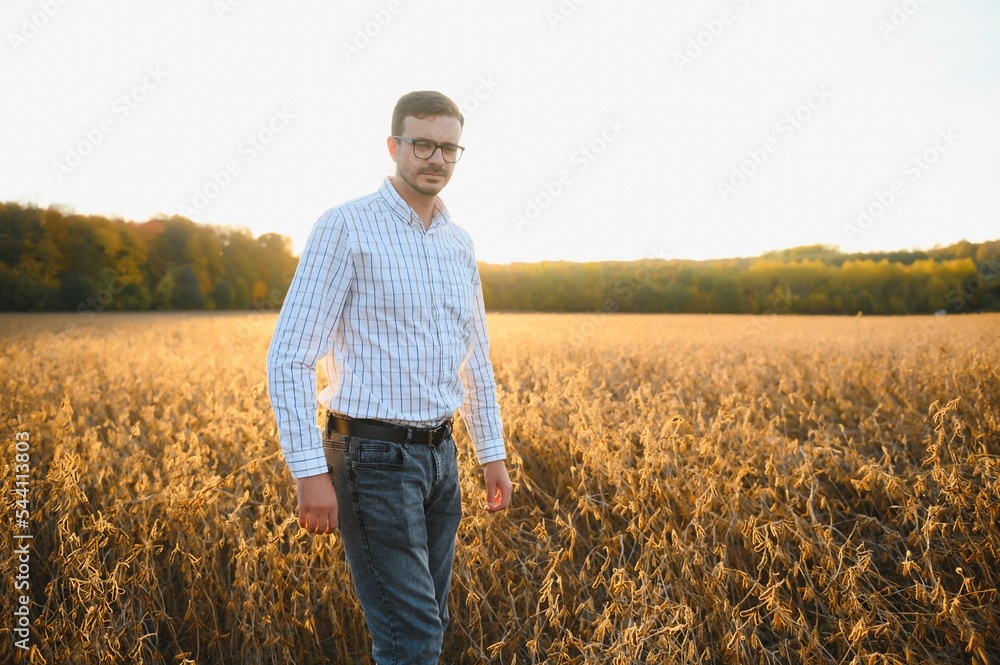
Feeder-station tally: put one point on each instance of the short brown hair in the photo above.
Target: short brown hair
(421, 104)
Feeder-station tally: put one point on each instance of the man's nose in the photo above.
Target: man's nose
(437, 157)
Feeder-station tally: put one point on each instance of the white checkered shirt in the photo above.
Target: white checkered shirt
(396, 314)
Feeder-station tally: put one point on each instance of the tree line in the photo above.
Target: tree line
(964, 277)
(53, 260)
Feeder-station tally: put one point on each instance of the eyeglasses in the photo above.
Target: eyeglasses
(424, 149)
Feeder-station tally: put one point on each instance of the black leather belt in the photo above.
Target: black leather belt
(382, 431)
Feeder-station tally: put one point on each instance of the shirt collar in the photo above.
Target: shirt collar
(405, 213)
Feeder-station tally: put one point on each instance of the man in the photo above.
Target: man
(387, 292)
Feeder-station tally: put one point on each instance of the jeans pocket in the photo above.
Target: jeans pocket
(375, 454)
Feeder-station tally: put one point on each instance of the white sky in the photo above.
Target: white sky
(546, 88)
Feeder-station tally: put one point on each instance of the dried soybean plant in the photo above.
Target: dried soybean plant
(689, 489)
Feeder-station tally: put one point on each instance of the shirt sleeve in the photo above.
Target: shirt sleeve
(480, 410)
(302, 336)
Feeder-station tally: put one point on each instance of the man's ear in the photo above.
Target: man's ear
(393, 145)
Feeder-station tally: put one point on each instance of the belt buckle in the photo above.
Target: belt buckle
(444, 429)
(431, 433)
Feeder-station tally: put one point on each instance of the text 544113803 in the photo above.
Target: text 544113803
(22, 537)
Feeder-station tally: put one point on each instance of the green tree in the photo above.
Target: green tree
(187, 290)
(222, 295)
(163, 296)
(76, 292)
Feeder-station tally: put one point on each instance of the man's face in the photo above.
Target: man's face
(425, 176)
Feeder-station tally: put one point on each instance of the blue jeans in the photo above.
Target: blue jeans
(399, 509)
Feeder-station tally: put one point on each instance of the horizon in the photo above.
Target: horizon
(699, 131)
(67, 210)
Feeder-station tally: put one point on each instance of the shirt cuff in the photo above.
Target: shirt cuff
(491, 450)
(309, 462)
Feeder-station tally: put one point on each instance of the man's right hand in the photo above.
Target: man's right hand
(317, 504)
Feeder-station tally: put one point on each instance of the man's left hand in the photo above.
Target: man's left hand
(498, 487)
